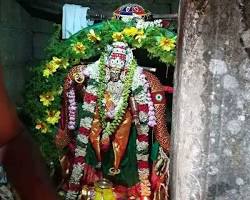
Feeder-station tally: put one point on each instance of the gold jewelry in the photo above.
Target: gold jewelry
(113, 171)
(78, 77)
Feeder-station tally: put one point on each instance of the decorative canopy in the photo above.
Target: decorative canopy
(129, 11)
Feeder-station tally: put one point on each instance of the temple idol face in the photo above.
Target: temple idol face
(117, 62)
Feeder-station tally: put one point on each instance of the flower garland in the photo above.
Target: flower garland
(142, 24)
(89, 105)
(72, 109)
(110, 127)
(140, 89)
(151, 113)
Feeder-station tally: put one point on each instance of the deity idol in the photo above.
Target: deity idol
(113, 123)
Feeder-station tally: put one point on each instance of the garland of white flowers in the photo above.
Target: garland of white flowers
(142, 142)
(89, 105)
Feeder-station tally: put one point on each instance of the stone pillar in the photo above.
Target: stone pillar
(211, 114)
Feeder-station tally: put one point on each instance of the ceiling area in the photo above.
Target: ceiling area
(52, 9)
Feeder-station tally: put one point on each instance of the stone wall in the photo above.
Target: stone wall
(42, 31)
(211, 120)
(22, 39)
(16, 45)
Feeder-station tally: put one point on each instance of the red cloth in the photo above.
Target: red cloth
(169, 89)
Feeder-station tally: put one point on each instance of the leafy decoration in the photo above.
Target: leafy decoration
(48, 77)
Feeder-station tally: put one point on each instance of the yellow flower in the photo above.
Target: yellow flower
(78, 47)
(130, 31)
(117, 36)
(56, 61)
(140, 36)
(59, 62)
(47, 73)
(167, 44)
(92, 36)
(47, 98)
(43, 127)
(53, 116)
(52, 66)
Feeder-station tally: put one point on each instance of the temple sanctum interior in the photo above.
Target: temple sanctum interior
(124, 100)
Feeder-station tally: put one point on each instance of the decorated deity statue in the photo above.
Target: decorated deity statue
(113, 123)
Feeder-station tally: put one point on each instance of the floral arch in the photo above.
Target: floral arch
(43, 91)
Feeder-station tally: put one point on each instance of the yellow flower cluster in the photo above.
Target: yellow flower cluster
(53, 116)
(167, 44)
(53, 65)
(78, 48)
(93, 37)
(130, 32)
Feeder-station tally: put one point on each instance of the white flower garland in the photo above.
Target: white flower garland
(80, 150)
(142, 155)
(141, 24)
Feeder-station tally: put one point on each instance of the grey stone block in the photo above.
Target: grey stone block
(16, 47)
(42, 26)
(12, 15)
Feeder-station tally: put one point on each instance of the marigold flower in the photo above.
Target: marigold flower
(130, 31)
(78, 47)
(47, 98)
(92, 36)
(53, 116)
(117, 36)
(167, 44)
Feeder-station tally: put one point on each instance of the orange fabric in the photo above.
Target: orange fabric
(109, 103)
(121, 139)
(95, 135)
(10, 125)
